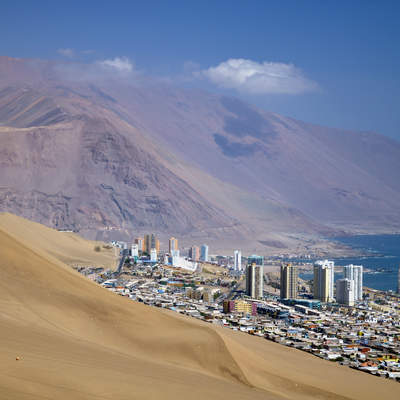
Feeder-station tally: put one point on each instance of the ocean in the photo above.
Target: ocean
(383, 259)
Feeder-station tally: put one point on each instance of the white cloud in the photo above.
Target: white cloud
(70, 53)
(114, 68)
(119, 64)
(249, 76)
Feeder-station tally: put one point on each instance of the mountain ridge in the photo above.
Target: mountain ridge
(109, 157)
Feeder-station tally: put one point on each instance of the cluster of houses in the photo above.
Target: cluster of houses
(366, 337)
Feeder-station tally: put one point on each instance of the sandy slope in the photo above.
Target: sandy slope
(76, 340)
(65, 246)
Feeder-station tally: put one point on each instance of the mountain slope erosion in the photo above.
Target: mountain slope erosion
(337, 177)
(76, 340)
(85, 169)
(109, 156)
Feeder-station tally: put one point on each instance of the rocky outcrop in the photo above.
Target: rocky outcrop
(86, 175)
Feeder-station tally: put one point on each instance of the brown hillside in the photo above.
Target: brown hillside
(76, 340)
(105, 157)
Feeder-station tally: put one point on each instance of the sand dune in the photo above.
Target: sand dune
(76, 340)
(67, 247)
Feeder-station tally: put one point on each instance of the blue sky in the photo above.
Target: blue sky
(335, 63)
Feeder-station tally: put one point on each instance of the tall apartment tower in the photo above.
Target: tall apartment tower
(345, 293)
(238, 260)
(289, 277)
(194, 253)
(135, 250)
(140, 243)
(173, 245)
(355, 273)
(324, 273)
(254, 281)
(153, 255)
(151, 242)
(204, 253)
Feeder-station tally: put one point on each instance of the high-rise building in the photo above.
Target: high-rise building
(358, 282)
(175, 253)
(153, 255)
(204, 253)
(355, 273)
(238, 260)
(254, 281)
(173, 245)
(135, 250)
(194, 253)
(151, 242)
(289, 277)
(324, 273)
(345, 292)
(140, 243)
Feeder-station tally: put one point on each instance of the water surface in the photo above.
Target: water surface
(383, 259)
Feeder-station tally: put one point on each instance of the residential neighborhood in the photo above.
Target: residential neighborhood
(364, 335)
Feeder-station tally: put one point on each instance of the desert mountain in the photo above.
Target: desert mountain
(76, 340)
(100, 155)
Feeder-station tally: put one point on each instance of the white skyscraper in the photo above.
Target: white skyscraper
(355, 273)
(135, 250)
(153, 255)
(204, 253)
(175, 253)
(358, 282)
(345, 291)
(324, 273)
(238, 260)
